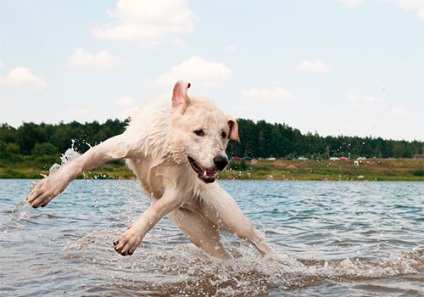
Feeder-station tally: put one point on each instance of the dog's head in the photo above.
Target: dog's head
(199, 133)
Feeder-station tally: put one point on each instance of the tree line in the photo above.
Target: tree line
(258, 140)
(262, 139)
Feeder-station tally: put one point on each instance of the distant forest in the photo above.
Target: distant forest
(258, 140)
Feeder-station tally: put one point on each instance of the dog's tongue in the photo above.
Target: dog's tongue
(206, 175)
(209, 173)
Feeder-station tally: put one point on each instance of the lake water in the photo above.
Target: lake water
(336, 239)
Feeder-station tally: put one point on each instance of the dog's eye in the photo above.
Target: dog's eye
(224, 135)
(199, 133)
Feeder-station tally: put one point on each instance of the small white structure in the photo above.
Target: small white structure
(356, 163)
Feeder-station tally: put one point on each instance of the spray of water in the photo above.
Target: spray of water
(18, 216)
(183, 270)
(69, 154)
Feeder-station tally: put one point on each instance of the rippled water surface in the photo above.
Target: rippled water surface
(334, 239)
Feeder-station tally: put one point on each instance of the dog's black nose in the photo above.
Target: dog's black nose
(220, 162)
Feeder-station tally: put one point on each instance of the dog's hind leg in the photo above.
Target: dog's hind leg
(200, 231)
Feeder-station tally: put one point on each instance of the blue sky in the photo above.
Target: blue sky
(336, 67)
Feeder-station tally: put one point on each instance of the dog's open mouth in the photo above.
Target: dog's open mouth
(206, 175)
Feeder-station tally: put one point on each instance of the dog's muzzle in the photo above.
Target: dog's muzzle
(208, 175)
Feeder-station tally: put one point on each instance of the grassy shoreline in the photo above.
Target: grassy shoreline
(369, 169)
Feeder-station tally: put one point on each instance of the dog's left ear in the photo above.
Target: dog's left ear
(233, 135)
(180, 100)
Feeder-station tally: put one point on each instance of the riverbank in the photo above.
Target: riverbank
(369, 169)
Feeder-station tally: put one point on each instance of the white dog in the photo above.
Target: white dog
(176, 150)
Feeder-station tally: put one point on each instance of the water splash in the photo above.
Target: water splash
(17, 217)
(69, 155)
(183, 270)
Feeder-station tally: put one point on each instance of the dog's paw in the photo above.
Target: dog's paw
(44, 191)
(127, 242)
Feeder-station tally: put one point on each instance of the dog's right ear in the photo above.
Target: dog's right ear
(233, 135)
(180, 100)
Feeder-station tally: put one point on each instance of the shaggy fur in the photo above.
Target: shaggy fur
(176, 149)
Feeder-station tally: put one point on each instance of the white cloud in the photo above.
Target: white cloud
(125, 101)
(22, 76)
(360, 100)
(148, 21)
(178, 42)
(269, 94)
(231, 48)
(196, 70)
(408, 5)
(357, 98)
(82, 59)
(398, 112)
(352, 3)
(1, 64)
(317, 66)
(129, 106)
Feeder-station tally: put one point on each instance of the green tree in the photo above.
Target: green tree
(43, 149)
(7, 133)
(28, 135)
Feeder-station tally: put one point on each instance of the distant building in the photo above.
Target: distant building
(419, 156)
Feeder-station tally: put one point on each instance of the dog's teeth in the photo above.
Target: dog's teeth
(205, 173)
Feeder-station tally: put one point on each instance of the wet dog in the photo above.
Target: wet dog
(176, 149)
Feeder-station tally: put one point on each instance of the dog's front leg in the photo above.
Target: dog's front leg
(131, 239)
(45, 190)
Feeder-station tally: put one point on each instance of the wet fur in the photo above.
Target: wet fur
(156, 146)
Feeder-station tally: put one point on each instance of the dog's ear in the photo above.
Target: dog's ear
(233, 135)
(180, 100)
